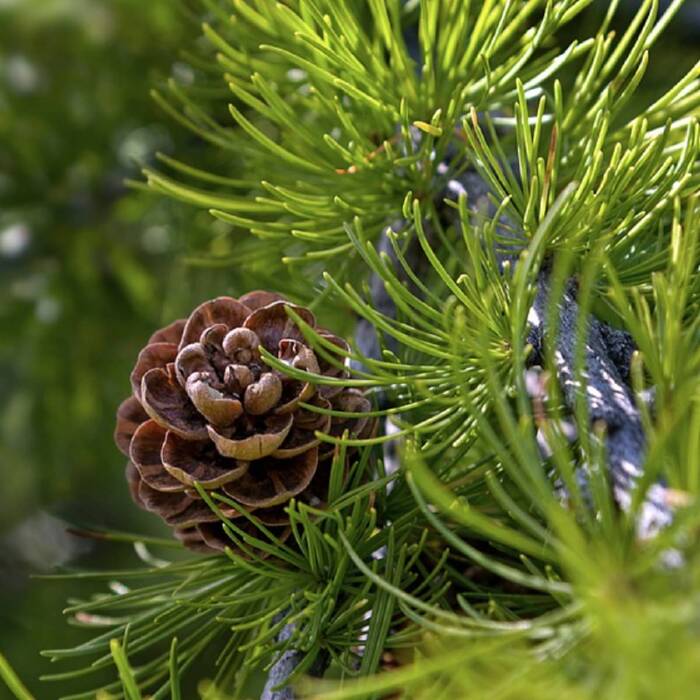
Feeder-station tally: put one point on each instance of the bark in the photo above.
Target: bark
(276, 686)
(611, 404)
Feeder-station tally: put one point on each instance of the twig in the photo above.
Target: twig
(276, 686)
(609, 399)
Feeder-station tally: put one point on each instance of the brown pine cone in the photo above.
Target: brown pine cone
(206, 408)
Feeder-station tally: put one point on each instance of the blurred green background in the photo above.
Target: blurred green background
(88, 268)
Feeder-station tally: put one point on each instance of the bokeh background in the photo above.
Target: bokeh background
(88, 268)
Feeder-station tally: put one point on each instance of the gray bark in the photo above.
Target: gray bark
(608, 397)
(276, 686)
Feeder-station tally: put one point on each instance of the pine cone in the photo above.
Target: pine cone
(206, 408)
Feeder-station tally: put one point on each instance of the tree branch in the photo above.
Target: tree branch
(607, 356)
(276, 686)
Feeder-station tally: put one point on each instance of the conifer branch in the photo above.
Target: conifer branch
(336, 134)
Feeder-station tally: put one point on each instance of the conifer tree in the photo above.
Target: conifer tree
(477, 199)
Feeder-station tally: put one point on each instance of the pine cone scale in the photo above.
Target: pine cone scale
(153, 356)
(188, 462)
(169, 334)
(168, 404)
(257, 445)
(225, 311)
(272, 324)
(145, 454)
(276, 483)
(130, 415)
(255, 299)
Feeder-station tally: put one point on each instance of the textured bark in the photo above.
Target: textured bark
(609, 399)
(282, 670)
(276, 687)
